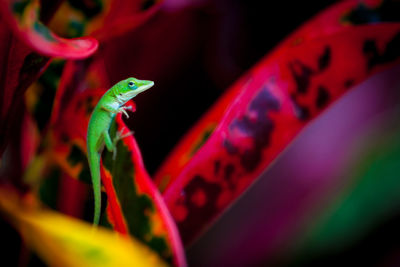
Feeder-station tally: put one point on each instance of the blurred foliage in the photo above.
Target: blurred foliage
(58, 58)
(370, 199)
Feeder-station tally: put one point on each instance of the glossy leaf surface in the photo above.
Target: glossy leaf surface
(262, 113)
(102, 19)
(20, 66)
(23, 18)
(369, 200)
(26, 47)
(135, 197)
(309, 181)
(63, 241)
(134, 205)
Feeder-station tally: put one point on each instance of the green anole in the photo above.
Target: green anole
(111, 103)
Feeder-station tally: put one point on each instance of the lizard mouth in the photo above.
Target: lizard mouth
(144, 87)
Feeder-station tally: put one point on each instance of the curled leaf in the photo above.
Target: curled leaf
(102, 19)
(23, 18)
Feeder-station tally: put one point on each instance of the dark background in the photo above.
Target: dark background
(193, 55)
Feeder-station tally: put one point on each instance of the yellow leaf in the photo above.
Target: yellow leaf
(64, 241)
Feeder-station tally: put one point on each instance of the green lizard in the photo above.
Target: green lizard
(111, 103)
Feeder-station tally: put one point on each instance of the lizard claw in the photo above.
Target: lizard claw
(126, 113)
(127, 134)
(119, 135)
(114, 153)
(123, 110)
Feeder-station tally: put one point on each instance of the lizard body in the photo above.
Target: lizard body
(111, 103)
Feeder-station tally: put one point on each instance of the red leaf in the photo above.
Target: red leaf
(68, 134)
(262, 113)
(114, 212)
(19, 67)
(308, 181)
(102, 19)
(135, 207)
(129, 188)
(23, 19)
(77, 77)
(125, 15)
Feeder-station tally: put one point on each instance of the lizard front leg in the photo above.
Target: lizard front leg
(123, 110)
(115, 110)
(111, 145)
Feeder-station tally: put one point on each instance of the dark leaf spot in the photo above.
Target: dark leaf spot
(147, 4)
(391, 52)
(250, 159)
(75, 156)
(19, 7)
(387, 11)
(217, 166)
(259, 129)
(362, 15)
(199, 214)
(349, 83)
(85, 176)
(90, 8)
(325, 59)
(230, 148)
(302, 75)
(322, 97)
(228, 172)
(303, 113)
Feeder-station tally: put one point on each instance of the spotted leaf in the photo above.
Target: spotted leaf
(265, 110)
(134, 204)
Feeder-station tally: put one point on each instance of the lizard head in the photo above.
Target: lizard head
(131, 87)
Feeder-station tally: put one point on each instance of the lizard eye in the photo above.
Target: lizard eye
(131, 84)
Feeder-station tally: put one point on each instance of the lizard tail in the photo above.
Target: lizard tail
(94, 163)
